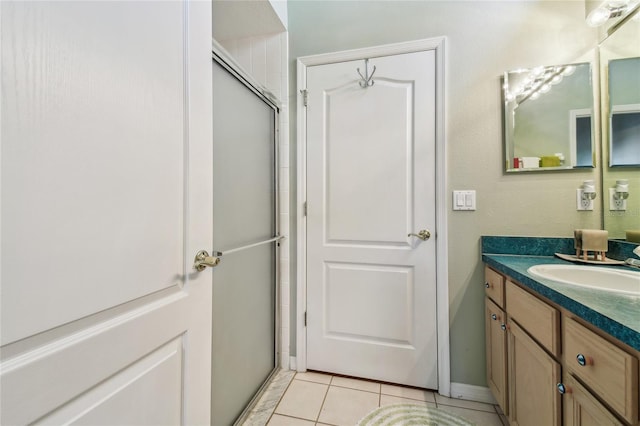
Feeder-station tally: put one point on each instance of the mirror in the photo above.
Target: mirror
(624, 112)
(620, 84)
(548, 118)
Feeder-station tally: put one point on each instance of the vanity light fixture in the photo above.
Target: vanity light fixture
(537, 82)
(586, 194)
(609, 9)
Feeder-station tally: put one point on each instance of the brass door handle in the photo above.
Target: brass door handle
(424, 235)
(203, 260)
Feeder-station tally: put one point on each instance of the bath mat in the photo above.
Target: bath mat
(411, 414)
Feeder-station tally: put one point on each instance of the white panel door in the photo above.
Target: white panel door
(371, 288)
(106, 198)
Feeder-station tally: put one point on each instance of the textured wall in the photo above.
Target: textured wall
(483, 40)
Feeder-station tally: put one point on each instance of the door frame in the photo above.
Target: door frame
(437, 45)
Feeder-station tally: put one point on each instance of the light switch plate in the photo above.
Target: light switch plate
(464, 200)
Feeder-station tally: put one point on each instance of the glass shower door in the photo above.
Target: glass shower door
(244, 224)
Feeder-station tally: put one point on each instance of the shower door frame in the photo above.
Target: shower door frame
(225, 60)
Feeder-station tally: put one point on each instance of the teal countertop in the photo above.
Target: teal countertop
(616, 314)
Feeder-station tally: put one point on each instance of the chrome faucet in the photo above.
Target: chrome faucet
(634, 262)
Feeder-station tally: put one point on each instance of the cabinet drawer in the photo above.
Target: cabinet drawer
(581, 408)
(609, 371)
(494, 286)
(540, 320)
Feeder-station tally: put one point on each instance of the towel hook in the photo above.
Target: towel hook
(367, 80)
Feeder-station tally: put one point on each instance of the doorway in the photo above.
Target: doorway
(373, 291)
(246, 238)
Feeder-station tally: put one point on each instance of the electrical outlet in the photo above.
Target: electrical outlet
(583, 204)
(616, 205)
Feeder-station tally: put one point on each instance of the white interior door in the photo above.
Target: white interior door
(106, 146)
(371, 288)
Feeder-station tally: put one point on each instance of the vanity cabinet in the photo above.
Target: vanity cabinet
(547, 367)
(496, 344)
(608, 370)
(533, 374)
(583, 409)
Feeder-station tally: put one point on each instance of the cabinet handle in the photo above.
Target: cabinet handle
(494, 317)
(584, 360)
(503, 327)
(563, 389)
(486, 285)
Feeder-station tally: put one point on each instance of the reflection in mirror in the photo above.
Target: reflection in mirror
(624, 107)
(548, 118)
(620, 84)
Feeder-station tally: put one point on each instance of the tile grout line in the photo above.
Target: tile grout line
(281, 397)
(324, 400)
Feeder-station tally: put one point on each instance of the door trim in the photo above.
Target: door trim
(436, 44)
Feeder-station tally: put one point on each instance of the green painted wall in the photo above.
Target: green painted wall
(484, 39)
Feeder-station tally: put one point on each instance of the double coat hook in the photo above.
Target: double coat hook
(367, 80)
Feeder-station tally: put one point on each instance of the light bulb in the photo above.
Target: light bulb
(537, 71)
(556, 79)
(598, 16)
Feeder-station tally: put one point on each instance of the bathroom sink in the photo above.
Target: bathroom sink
(616, 280)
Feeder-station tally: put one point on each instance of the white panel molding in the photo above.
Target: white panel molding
(86, 358)
(472, 393)
(437, 44)
(134, 383)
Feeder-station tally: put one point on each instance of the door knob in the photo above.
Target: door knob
(424, 235)
(203, 260)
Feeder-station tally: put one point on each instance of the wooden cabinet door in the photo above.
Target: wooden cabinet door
(582, 409)
(533, 376)
(496, 346)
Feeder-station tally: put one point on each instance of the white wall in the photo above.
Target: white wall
(485, 38)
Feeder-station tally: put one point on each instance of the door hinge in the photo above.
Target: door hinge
(304, 209)
(305, 97)
(305, 318)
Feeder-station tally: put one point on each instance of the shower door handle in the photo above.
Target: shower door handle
(203, 260)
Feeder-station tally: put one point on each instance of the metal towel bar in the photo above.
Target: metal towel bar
(248, 246)
(202, 259)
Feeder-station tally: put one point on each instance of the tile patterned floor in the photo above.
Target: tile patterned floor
(324, 399)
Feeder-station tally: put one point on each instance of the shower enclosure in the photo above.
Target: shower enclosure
(246, 239)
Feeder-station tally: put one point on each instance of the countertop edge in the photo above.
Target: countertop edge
(610, 326)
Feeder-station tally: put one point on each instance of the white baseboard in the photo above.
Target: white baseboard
(472, 393)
